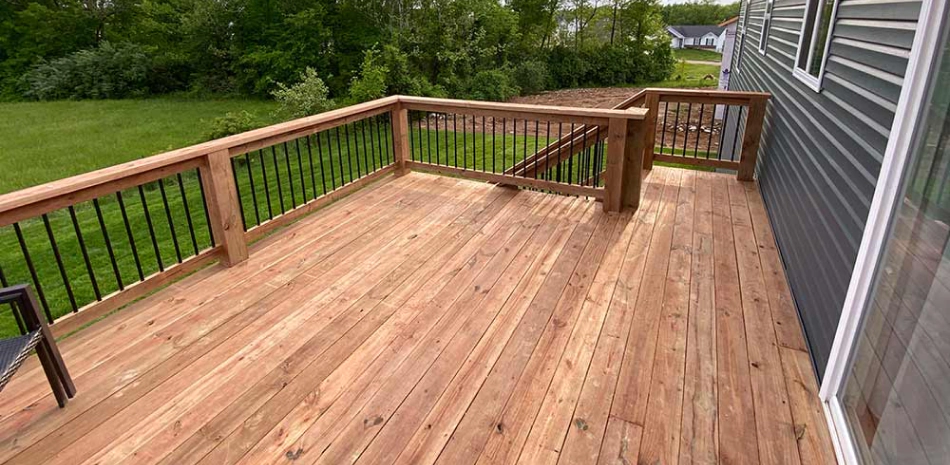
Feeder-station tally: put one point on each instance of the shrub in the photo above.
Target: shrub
(532, 76)
(492, 85)
(307, 97)
(231, 123)
(371, 82)
(107, 71)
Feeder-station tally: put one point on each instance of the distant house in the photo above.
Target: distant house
(711, 37)
(728, 45)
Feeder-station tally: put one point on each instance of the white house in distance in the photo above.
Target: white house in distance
(711, 37)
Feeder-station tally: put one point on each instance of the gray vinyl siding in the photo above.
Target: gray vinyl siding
(821, 152)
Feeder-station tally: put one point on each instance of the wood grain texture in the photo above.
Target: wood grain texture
(487, 325)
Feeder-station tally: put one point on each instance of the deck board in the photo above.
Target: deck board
(427, 319)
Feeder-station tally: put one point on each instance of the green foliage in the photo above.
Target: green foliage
(495, 85)
(531, 76)
(247, 47)
(233, 122)
(371, 82)
(307, 97)
(108, 71)
(706, 12)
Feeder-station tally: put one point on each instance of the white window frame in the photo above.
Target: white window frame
(887, 195)
(800, 70)
(766, 26)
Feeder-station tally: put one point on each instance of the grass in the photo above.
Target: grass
(689, 75)
(697, 54)
(46, 141)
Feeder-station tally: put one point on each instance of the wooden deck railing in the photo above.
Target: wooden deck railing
(712, 128)
(92, 243)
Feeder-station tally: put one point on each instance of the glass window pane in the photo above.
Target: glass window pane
(897, 393)
(824, 25)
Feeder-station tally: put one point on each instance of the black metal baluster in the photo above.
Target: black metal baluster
(483, 141)
(349, 154)
(676, 128)
(237, 187)
(504, 139)
(323, 179)
(455, 137)
(184, 203)
(712, 127)
(584, 164)
(290, 177)
(85, 253)
(270, 209)
(313, 176)
(303, 182)
(570, 155)
(368, 159)
(280, 190)
(339, 149)
(666, 111)
(598, 158)
(250, 177)
(128, 232)
(412, 141)
(537, 136)
(329, 158)
(29, 266)
(372, 142)
(689, 117)
(428, 135)
(699, 129)
(59, 262)
(560, 145)
(493, 170)
(151, 230)
(547, 154)
(171, 221)
(465, 145)
(438, 148)
(109, 249)
(204, 207)
(524, 157)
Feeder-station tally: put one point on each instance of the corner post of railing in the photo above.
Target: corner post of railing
(633, 163)
(750, 140)
(401, 137)
(652, 105)
(616, 151)
(224, 207)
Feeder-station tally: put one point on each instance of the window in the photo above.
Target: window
(766, 25)
(815, 38)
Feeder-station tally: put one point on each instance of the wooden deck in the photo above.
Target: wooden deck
(429, 319)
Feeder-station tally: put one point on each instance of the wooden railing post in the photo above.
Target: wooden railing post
(649, 135)
(750, 140)
(401, 138)
(616, 154)
(633, 163)
(224, 207)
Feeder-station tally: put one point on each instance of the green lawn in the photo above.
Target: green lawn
(689, 75)
(697, 54)
(45, 141)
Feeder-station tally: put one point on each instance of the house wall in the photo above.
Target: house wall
(821, 152)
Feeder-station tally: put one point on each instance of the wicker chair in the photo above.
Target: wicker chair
(36, 335)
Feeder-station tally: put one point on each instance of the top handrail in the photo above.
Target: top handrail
(539, 110)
